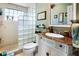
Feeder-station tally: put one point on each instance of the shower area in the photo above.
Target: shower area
(18, 26)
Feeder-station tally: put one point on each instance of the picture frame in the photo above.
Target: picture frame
(41, 15)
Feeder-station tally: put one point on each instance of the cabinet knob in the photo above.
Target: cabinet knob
(41, 37)
(60, 45)
(47, 54)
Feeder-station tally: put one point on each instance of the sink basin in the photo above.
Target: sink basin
(54, 35)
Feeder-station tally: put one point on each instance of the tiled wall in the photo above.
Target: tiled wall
(64, 31)
(8, 33)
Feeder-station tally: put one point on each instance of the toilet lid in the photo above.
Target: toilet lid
(30, 45)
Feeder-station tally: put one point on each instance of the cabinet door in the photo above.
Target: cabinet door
(37, 38)
(59, 53)
(40, 47)
(53, 51)
(43, 49)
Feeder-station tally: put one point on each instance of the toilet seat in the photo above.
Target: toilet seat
(29, 45)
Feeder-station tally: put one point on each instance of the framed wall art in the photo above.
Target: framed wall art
(41, 15)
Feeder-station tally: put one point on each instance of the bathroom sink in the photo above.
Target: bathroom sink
(54, 35)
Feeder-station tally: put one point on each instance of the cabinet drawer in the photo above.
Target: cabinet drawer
(57, 52)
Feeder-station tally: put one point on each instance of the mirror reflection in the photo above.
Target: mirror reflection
(61, 13)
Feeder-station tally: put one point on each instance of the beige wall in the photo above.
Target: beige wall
(40, 7)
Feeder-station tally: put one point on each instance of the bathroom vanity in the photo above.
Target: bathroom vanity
(53, 47)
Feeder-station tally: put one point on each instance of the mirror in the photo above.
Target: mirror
(60, 13)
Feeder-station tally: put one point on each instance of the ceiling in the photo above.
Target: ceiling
(26, 4)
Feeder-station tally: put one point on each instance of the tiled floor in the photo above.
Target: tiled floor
(9, 47)
(21, 54)
(13, 47)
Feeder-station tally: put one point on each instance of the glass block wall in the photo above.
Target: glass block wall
(26, 27)
(26, 24)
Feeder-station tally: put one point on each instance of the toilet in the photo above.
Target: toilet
(29, 48)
